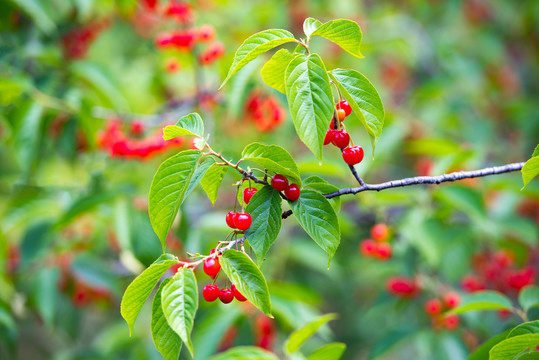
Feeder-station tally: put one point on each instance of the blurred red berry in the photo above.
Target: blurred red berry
(451, 299)
(384, 251)
(472, 283)
(380, 232)
(368, 247)
(402, 286)
(433, 307)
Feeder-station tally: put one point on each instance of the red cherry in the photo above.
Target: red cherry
(433, 307)
(402, 286)
(237, 294)
(292, 192)
(451, 322)
(248, 194)
(243, 221)
(345, 106)
(368, 247)
(332, 123)
(383, 251)
(472, 283)
(380, 232)
(230, 219)
(329, 137)
(212, 267)
(341, 114)
(210, 292)
(341, 139)
(353, 155)
(451, 299)
(137, 128)
(206, 33)
(279, 182)
(226, 295)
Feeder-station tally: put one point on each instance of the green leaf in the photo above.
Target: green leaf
(265, 210)
(213, 327)
(46, 294)
(198, 175)
(530, 170)
(529, 297)
(298, 337)
(245, 353)
(247, 278)
(536, 151)
(138, 291)
(310, 25)
(318, 219)
(169, 185)
(511, 347)
(212, 181)
(188, 125)
(483, 300)
(273, 72)
(534, 355)
(345, 33)
(363, 98)
(180, 303)
(310, 100)
(323, 187)
(331, 351)
(530, 327)
(256, 45)
(482, 352)
(37, 10)
(166, 341)
(274, 158)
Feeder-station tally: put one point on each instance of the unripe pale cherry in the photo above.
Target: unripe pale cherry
(345, 106)
(341, 114)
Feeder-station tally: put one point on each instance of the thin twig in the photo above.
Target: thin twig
(231, 244)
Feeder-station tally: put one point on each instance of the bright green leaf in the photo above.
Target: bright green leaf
(169, 185)
(530, 170)
(200, 171)
(310, 100)
(256, 45)
(212, 181)
(534, 355)
(180, 303)
(511, 347)
(529, 297)
(265, 210)
(483, 300)
(481, 353)
(273, 72)
(323, 187)
(345, 33)
(188, 125)
(317, 217)
(166, 341)
(530, 327)
(245, 353)
(331, 351)
(138, 291)
(247, 278)
(274, 158)
(298, 337)
(310, 25)
(363, 98)
(536, 151)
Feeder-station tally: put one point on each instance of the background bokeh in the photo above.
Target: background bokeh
(87, 85)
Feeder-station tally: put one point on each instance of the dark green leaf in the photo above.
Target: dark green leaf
(345, 33)
(310, 100)
(212, 181)
(247, 278)
(245, 353)
(310, 25)
(138, 291)
(273, 72)
(511, 347)
(316, 216)
(265, 210)
(168, 188)
(166, 341)
(482, 352)
(188, 125)
(529, 297)
(363, 98)
(256, 45)
(180, 303)
(331, 351)
(38, 12)
(298, 337)
(483, 300)
(274, 158)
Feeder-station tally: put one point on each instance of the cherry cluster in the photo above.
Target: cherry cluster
(76, 42)
(264, 111)
(124, 141)
(497, 271)
(377, 246)
(436, 307)
(211, 292)
(280, 183)
(338, 136)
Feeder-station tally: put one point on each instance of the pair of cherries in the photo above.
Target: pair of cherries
(240, 221)
(280, 183)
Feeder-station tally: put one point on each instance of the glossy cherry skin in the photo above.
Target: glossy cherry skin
(292, 192)
(248, 194)
(353, 155)
(329, 137)
(226, 295)
(345, 106)
(230, 219)
(237, 294)
(279, 182)
(210, 292)
(341, 139)
(341, 114)
(212, 267)
(243, 221)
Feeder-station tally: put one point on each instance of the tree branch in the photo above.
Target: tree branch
(231, 244)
